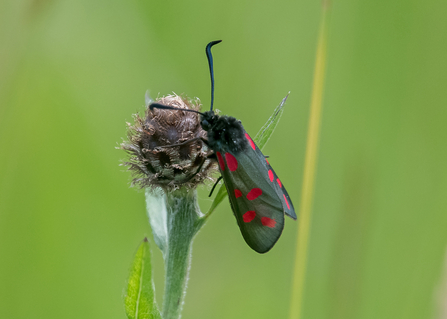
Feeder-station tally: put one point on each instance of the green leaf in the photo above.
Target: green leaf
(139, 301)
(158, 215)
(221, 194)
(260, 139)
(266, 131)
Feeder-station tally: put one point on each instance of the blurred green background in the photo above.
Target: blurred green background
(73, 72)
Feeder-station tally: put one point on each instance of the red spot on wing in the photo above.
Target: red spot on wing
(268, 222)
(267, 161)
(249, 216)
(287, 202)
(279, 182)
(221, 161)
(254, 193)
(253, 146)
(271, 175)
(231, 162)
(237, 193)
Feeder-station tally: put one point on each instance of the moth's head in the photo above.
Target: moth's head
(208, 119)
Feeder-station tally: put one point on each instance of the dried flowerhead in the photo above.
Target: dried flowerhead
(153, 164)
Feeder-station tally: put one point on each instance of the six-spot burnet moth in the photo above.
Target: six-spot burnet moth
(257, 196)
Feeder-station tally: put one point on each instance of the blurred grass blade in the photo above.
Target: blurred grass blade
(261, 140)
(139, 301)
(310, 164)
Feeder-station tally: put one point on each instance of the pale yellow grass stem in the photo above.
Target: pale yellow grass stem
(310, 164)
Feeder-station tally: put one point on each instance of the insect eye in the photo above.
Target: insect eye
(205, 124)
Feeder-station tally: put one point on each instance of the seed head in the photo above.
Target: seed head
(154, 165)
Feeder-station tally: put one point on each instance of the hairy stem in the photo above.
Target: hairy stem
(183, 223)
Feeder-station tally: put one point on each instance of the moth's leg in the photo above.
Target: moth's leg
(215, 184)
(210, 156)
(205, 141)
(214, 157)
(266, 156)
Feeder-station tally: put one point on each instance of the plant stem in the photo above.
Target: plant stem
(183, 223)
(310, 164)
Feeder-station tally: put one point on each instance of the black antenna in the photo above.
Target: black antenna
(210, 63)
(166, 107)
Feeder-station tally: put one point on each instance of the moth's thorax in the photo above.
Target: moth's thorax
(224, 133)
(208, 119)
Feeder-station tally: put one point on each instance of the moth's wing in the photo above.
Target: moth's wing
(255, 202)
(287, 205)
(289, 210)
